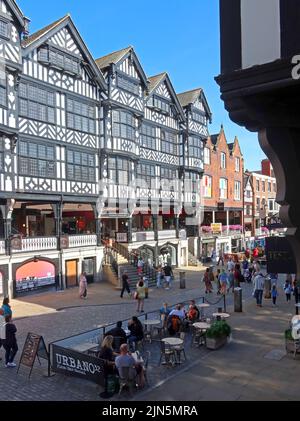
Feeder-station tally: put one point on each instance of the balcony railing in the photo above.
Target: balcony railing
(2, 247)
(76, 241)
(36, 244)
(142, 236)
(162, 235)
(226, 230)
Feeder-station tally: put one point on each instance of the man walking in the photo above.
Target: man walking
(125, 284)
(168, 272)
(259, 285)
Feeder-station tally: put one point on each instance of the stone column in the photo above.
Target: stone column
(214, 217)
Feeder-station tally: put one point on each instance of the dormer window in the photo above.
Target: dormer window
(128, 85)
(200, 118)
(3, 29)
(59, 60)
(161, 105)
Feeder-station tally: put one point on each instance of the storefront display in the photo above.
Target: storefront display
(35, 275)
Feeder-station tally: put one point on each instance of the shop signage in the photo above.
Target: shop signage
(16, 242)
(34, 347)
(121, 237)
(72, 363)
(182, 235)
(216, 228)
(64, 242)
(280, 257)
(221, 207)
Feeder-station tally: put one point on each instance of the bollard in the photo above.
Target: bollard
(238, 301)
(268, 288)
(182, 280)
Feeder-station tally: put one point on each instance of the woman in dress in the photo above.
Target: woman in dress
(83, 286)
(141, 294)
(208, 282)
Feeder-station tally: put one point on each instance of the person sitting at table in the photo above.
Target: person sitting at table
(178, 311)
(126, 360)
(118, 332)
(136, 332)
(107, 353)
(193, 314)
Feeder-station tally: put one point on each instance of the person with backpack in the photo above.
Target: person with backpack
(10, 343)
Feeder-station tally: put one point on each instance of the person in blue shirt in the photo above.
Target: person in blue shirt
(164, 314)
(274, 294)
(288, 291)
(6, 307)
(223, 282)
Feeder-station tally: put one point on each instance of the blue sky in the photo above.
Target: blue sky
(177, 36)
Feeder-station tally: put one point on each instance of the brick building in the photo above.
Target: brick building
(265, 209)
(223, 195)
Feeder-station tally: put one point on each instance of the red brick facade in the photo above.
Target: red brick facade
(232, 172)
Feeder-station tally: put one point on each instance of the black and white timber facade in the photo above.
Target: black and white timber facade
(89, 150)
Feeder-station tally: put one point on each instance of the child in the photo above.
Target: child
(288, 291)
(274, 294)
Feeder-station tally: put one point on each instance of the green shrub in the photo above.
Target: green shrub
(218, 329)
(288, 335)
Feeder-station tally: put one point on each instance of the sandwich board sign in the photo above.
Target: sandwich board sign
(34, 347)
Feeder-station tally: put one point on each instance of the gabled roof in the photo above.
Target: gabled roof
(17, 11)
(37, 35)
(156, 80)
(190, 97)
(118, 56)
(41, 36)
(112, 58)
(233, 145)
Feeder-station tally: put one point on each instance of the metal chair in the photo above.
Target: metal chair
(168, 353)
(198, 337)
(127, 378)
(179, 349)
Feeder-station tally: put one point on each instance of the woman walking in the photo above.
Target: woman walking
(208, 282)
(274, 294)
(83, 286)
(140, 296)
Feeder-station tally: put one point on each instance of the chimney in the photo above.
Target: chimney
(266, 168)
(26, 28)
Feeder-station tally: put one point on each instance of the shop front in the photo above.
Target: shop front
(35, 275)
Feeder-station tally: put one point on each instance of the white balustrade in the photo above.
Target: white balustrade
(2, 247)
(142, 236)
(37, 244)
(76, 241)
(162, 235)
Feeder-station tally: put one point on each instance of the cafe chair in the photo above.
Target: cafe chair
(198, 337)
(118, 341)
(180, 348)
(127, 379)
(167, 353)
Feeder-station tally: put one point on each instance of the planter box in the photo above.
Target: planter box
(216, 343)
(289, 345)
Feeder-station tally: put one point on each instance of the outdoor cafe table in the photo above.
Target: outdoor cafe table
(151, 324)
(222, 315)
(173, 341)
(201, 326)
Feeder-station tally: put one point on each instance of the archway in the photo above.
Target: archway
(147, 255)
(1, 284)
(35, 275)
(167, 255)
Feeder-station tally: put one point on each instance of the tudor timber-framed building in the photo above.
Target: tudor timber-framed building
(88, 149)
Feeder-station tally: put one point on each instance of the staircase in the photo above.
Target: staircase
(193, 261)
(119, 260)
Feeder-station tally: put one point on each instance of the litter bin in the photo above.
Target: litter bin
(182, 280)
(238, 300)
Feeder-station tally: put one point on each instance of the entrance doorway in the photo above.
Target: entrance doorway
(88, 266)
(71, 273)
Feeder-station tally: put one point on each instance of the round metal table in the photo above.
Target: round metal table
(173, 341)
(222, 315)
(201, 326)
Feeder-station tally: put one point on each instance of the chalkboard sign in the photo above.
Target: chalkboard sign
(34, 347)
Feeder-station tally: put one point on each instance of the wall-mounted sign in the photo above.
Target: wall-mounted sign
(122, 237)
(216, 228)
(221, 207)
(16, 242)
(64, 242)
(280, 256)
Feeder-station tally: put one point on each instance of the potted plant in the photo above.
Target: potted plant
(217, 334)
(289, 341)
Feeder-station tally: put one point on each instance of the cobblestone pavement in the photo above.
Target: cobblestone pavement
(71, 320)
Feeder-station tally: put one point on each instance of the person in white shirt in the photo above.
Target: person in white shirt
(259, 285)
(179, 312)
(230, 265)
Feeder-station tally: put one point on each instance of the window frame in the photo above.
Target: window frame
(121, 125)
(169, 146)
(196, 145)
(145, 137)
(206, 149)
(224, 197)
(118, 169)
(208, 177)
(80, 116)
(130, 81)
(30, 161)
(48, 59)
(145, 175)
(158, 101)
(34, 99)
(237, 164)
(237, 190)
(7, 25)
(223, 160)
(89, 167)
